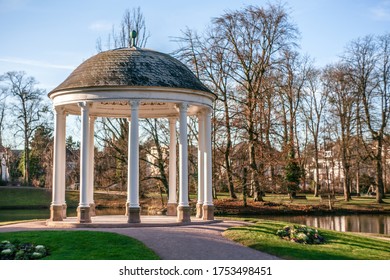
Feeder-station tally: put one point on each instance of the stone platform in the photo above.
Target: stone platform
(120, 221)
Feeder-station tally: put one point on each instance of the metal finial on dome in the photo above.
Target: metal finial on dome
(133, 35)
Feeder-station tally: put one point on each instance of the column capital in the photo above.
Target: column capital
(59, 110)
(172, 119)
(207, 110)
(84, 105)
(182, 106)
(200, 114)
(134, 104)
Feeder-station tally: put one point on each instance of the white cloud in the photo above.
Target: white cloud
(100, 26)
(381, 11)
(37, 63)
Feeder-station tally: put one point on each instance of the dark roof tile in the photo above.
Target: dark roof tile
(131, 67)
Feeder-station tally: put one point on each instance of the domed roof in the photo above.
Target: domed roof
(131, 67)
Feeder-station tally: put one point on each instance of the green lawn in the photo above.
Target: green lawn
(24, 198)
(339, 246)
(84, 245)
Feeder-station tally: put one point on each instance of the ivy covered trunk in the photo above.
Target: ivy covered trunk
(292, 175)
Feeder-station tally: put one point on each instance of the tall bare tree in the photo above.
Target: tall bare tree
(313, 106)
(291, 79)
(343, 101)
(28, 108)
(255, 37)
(369, 61)
(209, 58)
(3, 108)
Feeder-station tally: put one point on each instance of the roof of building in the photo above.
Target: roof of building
(131, 67)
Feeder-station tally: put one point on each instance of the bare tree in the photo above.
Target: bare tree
(291, 79)
(369, 61)
(113, 136)
(3, 108)
(131, 20)
(156, 131)
(340, 90)
(313, 106)
(255, 36)
(28, 108)
(209, 58)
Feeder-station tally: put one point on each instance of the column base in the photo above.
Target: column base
(64, 207)
(56, 213)
(83, 215)
(183, 214)
(171, 209)
(199, 210)
(134, 215)
(208, 212)
(92, 209)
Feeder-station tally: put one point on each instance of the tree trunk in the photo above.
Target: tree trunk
(257, 194)
(229, 176)
(244, 185)
(317, 168)
(229, 172)
(26, 160)
(317, 182)
(358, 180)
(379, 172)
(346, 183)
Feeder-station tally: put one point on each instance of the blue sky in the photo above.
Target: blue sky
(48, 39)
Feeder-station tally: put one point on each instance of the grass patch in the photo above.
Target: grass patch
(24, 197)
(84, 245)
(339, 246)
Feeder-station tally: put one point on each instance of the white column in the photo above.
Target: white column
(133, 166)
(83, 209)
(172, 202)
(63, 164)
(208, 208)
(199, 204)
(58, 188)
(183, 207)
(91, 162)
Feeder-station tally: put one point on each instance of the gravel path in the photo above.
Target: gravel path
(192, 242)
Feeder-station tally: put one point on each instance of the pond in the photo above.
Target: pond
(353, 223)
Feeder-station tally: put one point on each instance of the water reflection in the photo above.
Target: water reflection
(355, 223)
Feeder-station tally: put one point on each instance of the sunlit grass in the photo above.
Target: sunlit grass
(84, 245)
(24, 197)
(339, 246)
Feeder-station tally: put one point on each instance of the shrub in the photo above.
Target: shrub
(300, 234)
(21, 251)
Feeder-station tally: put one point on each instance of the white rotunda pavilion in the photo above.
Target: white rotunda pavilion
(133, 83)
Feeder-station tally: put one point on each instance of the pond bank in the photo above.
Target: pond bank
(235, 207)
